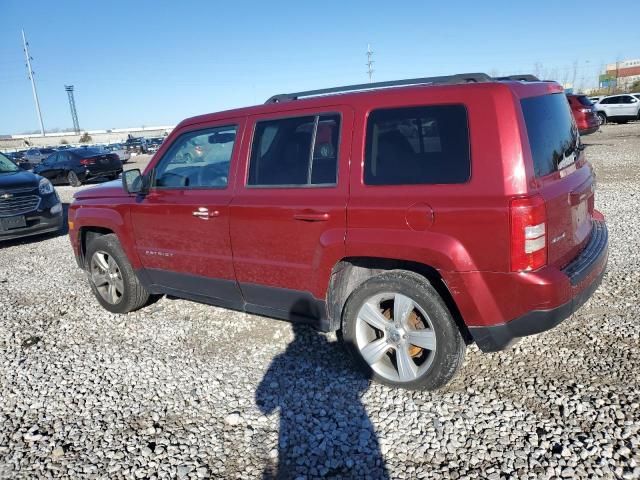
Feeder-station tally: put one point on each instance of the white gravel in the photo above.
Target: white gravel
(191, 391)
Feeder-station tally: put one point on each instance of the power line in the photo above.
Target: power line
(33, 82)
(370, 63)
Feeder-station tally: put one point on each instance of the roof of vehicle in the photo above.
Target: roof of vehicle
(521, 85)
(85, 149)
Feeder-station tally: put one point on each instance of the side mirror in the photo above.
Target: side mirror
(134, 182)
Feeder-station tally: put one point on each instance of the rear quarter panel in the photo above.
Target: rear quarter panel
(468, 228)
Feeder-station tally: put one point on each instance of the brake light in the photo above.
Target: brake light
(87, 161)
(528, 233)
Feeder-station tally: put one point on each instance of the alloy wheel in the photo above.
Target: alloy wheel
(106, 276)
(395, 337)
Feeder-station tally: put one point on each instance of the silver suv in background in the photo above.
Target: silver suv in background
(618, 109)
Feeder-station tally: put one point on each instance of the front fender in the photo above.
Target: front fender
(111, 218)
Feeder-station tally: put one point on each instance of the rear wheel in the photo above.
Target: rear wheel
(602, 118)
(399, 331)
(111, 276)
(72, 178)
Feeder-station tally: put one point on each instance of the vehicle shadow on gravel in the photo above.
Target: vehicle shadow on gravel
(43, 236)
(324, 428)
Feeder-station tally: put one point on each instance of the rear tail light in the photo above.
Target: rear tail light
(87, 161)
(528, 233)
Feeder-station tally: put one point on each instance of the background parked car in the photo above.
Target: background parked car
(36, 155)
(136, 145)
(78, 165)
(618, 109)
(584, 114)
(28, 203)
(120, 150)
(154, 143)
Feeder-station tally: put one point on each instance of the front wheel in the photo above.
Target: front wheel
(399, 331)
(602, 118)
(111, 276)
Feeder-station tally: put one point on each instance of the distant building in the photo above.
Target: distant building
(620, 74)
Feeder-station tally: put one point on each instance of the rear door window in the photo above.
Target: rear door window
(417, 146)
(295, 152)
(553, 135)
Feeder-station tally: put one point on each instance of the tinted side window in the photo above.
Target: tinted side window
(295, 151)
(553, 136)
(198, 159)
(417, 145)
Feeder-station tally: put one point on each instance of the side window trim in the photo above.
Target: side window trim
(317, 117)
(169, 150)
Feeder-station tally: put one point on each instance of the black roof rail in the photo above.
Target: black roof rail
(446, 79)
(527, 77)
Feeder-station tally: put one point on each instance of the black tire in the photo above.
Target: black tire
(134, 296)
(73, 179)
(449, 348)
(602, 117)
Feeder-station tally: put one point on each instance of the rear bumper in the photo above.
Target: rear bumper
(589, 130)
(584, 274)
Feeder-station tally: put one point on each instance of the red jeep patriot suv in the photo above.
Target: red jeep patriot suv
(413, 217)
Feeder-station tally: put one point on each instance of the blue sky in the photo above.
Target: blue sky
(137, 63)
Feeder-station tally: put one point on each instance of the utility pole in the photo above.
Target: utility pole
(33, 82)
(370, 63)
(72, 106)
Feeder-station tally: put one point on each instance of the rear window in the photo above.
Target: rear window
(417, 146)
(552, 133)
(87, 152)
(584, 101)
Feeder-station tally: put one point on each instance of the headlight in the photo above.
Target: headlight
(45, 187)
(57, 208)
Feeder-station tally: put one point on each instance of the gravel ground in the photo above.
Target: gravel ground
(191, 391)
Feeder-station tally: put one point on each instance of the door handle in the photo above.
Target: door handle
(204, 213)
(311, 216)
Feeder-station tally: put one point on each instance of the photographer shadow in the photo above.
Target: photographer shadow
(324, 428)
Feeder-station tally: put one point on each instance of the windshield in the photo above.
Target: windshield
(553, 135)
(6, 165)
